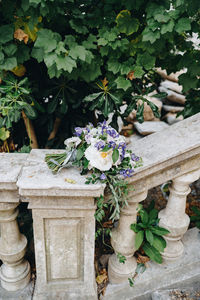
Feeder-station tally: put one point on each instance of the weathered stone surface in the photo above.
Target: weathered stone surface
(172, 86)
(172, 108)
(168, 154)
(15, 270)
(172, 119)
(172, 76)
(25, 294)
(149, 127)
(173, 96)
(181, 273)
(64, 229)
(182, 293)
(10, 168)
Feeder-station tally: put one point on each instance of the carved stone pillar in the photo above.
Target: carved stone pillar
(174, 218)
(15, 270)
(123, 240)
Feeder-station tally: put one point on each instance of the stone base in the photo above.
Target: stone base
(57, 293)
(25, 294)
(168, 275)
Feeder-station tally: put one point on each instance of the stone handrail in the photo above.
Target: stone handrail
(63, 214)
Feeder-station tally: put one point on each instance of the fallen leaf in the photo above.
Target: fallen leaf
(131, 75)
(142, 259)
(19, 70)
(20, 35)
(70, 180)
(101, 278)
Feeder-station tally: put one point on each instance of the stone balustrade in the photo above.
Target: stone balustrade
(63, 214)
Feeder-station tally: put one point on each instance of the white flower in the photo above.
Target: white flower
(71, 142)
(100, 160)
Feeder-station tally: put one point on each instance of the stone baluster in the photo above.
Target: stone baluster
(15, 270)
(123, 240)
(174, 218)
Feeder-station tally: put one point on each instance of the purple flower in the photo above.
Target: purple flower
(103, 176)
(122, 145)
(100, 145)
(112, 132)
(127, 173)
(112, 144)
(78, 131)
(134, 157)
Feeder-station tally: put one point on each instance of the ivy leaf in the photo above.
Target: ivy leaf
(115, 155)
(78, 52)
(146, 60)
(138, 72)
(183, 25)
(122, 83)
(9, 64)
(10, 49)
(46, 40)
(150, 36)
(125, 23)
(38, 53)
(188, 82)
(6, 33)
(139, 237)
(66, 63)
(162, 18)
(167, 27)
(114, 66)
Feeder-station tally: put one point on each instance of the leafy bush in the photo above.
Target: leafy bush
(196, 217)
(149, 236)
(64, 47)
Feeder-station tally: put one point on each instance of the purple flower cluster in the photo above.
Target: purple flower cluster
(78, 131)
(126, 173)
(103, 176)
(100, 145)
(112, 144)
(134, 157)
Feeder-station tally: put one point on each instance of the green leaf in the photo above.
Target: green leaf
(140, 112)
(49, 59)
(125, 23)
(79, 154)
(196, 210)
(46, 40)
(138, 72)
(153, 215)
(116, 100)
(162, 18)
(150, 36)
(38, 53)
(149, 236)
(139, 237)
(115, 155)
(144, 216)
(135, 227)
(52, 105)
(152, 253)
(29, 111)
(9, 64)
(10, 49)
(6, 33)
(182, 25)
(159, 243)
(66, 63)
(188, 82)
(146, 60)
(92, 97)
(167, 27)
(78, 52)
(159, 230)
(123, 83)
(4, 134)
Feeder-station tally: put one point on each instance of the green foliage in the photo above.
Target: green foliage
(82, 42)
(149, 236)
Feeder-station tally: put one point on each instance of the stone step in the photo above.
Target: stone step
(180, 273)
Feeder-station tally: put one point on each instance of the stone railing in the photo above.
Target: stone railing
(63, 214)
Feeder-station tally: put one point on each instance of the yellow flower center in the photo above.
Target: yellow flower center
(104, 154)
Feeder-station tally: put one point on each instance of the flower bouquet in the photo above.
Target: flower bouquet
(102, 154)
